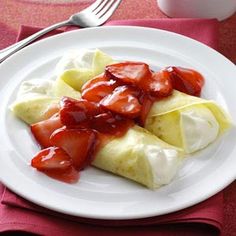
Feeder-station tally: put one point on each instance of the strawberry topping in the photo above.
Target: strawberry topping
(98, 88)
(56, 163)
(77, 112)
(123, 101)
(128, 72)
(43, 130)
(111, 103)
(186, 80)
(78, 143)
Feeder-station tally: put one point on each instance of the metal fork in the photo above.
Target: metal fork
(94, 15)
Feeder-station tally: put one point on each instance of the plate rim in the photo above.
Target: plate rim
(138, 28)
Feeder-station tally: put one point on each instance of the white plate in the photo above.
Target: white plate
(99, 194)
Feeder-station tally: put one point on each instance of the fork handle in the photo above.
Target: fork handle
(5, 53)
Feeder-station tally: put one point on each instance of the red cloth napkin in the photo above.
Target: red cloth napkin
(19, 215)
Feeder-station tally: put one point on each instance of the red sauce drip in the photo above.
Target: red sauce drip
(111, 103)
(70, 175)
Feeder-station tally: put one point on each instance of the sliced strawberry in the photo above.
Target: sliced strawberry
(43, 130)
(147, 102)
(122, 101)
(77, 112)
(103, 122)
(52, 110)
(128, 72)
(98, 91)
(51, 158)
(56, 163)
(78, 143)
(158, 85)
(99, 87)
(107, 123)
(186, 80)
(69, 175)
(96, 79)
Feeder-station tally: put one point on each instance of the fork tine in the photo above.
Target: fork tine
(94, 5)
(105, 8)
(89, 17)
(100, 7)
(109, 11)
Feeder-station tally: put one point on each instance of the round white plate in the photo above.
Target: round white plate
(99, 194)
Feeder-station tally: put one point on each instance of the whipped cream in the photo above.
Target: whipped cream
(164, 163)
(199, 128)
(76, 59)
(35, 88)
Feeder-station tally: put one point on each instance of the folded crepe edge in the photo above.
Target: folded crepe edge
(161, 107)
(132, 161)
(167, 110)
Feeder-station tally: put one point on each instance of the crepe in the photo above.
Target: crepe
(79, 66)
(140, 156)
(36, 96)
(187, 122)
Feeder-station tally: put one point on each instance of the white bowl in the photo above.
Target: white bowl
(220, 9)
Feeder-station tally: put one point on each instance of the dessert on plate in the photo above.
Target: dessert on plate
(121, 117)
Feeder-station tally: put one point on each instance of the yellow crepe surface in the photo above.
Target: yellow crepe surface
(164, 117)
(125, 156)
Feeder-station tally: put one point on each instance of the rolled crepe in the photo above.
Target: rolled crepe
(187, 122)
(76, 67)
(140, 156)
(36, 96)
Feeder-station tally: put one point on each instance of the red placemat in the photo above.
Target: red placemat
(44, 14)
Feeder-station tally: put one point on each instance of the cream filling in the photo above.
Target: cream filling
(35, 88)
(164, 163)
(76, 59)
(199, 128)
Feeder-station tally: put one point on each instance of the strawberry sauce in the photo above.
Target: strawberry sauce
(111, 103)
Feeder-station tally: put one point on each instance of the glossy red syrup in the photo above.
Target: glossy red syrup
(111, 103)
